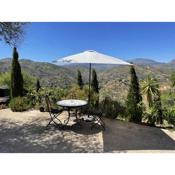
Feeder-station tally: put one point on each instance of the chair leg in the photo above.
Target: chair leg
(49, 123)
(99, 121)
(55, 117)
(102, 123)
(67, 121)
(52, 118)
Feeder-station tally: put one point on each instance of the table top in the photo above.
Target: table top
(72, 103)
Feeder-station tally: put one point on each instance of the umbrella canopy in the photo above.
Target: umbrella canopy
(92, 57)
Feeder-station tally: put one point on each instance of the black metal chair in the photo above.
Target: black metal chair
(97, 118)
(54, 113)
(94, 116)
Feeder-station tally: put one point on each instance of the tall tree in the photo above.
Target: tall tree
(16, 76)
(150, 88)
(134, 99)
(158, 107)
(38, 86)
(94, 83)
(11, 32)
(80, 80)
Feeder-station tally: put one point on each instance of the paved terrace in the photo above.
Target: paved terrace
(25, 132)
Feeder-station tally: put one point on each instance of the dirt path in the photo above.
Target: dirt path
(26, 132)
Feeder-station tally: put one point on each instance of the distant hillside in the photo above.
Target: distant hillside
(145, 62)
(49, 74)
(113, 80)
(116, 80)
(172, 61)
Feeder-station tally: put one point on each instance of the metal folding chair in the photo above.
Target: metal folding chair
(97, 118)
(54, 113)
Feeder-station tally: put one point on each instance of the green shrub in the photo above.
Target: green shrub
(75, 92)
(168, 98)
(94, 100)
(112, 109)
(5, 79)
(37, 98)
(29, 81)
(19, 104)
(151, 116)
(169, 115)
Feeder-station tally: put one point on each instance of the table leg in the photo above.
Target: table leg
(76, 111)
(67, 121)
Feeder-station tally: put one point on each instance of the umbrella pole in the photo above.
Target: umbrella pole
(89, 95)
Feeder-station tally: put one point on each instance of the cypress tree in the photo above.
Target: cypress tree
(94, 83)
(134, 99)
(95, 88)
(80, 80)
(38, 86)
(16, 76)
(158, 106)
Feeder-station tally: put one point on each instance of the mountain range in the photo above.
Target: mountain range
(145, 62)
(112, 79)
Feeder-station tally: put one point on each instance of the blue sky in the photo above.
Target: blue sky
(49, 41)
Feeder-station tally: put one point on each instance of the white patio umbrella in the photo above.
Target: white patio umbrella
(91, 57)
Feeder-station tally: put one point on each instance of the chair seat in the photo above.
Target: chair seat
(56, 111)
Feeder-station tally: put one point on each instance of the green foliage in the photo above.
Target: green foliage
(112, 108)
(158, 106)
(168, 99)
(38, 86)
(94, 100)
(154, 114)
(37, 98)
(94, 83)
(76, 93)
(169, 115)
(114, 81)
(29, 81)
(134, 99)
(95, 90)
(172, 79)
(5, 79)
(11, 32)
(19, 104)
(150, 88)
(151, 116)
(16, 76)
(80, 80)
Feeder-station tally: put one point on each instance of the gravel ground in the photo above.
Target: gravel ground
(26, 132)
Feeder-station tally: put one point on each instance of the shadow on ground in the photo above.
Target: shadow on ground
(27, 133)
(123, 136)
(35, 138)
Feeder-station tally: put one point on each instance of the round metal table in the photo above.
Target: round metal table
(71, 104)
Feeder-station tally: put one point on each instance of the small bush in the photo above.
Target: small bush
(112, 109)
(169, 115)
(19, 104)
(76, 93)
(29, 81)
(151, 116)
(37, 98)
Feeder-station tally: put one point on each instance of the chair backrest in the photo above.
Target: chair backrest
(48, 104)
